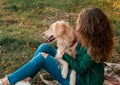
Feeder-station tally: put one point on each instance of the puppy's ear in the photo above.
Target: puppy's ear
(67, 29)
(59, 31)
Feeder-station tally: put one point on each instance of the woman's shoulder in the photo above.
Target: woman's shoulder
(81, 49)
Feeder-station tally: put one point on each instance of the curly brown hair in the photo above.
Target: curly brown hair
(97, 33)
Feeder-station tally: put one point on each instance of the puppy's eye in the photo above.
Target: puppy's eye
(46, 28)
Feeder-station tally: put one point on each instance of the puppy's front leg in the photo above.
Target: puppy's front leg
(73, 78)
(64, 66)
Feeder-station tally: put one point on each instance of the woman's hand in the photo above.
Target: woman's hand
(62, 53)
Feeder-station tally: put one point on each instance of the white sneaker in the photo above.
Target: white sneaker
(22, 83)
(1, 82)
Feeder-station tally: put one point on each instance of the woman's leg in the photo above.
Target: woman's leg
(37, 62)
(50, 64)
(30, 68)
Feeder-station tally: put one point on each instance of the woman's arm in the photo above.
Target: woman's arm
(80, 66)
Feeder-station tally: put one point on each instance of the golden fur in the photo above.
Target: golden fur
(63, 34)
(96, 32)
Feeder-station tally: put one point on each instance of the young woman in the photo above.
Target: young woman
(95, 47)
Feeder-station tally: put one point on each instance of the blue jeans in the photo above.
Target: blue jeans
(50, 64)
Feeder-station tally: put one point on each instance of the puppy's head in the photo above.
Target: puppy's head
(56, 30)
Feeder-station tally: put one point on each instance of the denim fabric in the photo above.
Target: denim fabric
(50, 64)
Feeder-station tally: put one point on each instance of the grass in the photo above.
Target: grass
(22, 22)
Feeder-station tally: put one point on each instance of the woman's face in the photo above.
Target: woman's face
(77, 25)
(77, 21)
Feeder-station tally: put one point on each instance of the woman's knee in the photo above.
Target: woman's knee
(43, 47)
(44, 54)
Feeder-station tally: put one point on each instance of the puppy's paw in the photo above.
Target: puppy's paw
(72, 82)
(73, 78)
(64, 73)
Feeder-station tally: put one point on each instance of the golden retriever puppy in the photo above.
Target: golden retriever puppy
(66, 38)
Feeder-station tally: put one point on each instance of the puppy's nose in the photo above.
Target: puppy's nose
(42, 34)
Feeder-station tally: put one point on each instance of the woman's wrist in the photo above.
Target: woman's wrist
(63, 53)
